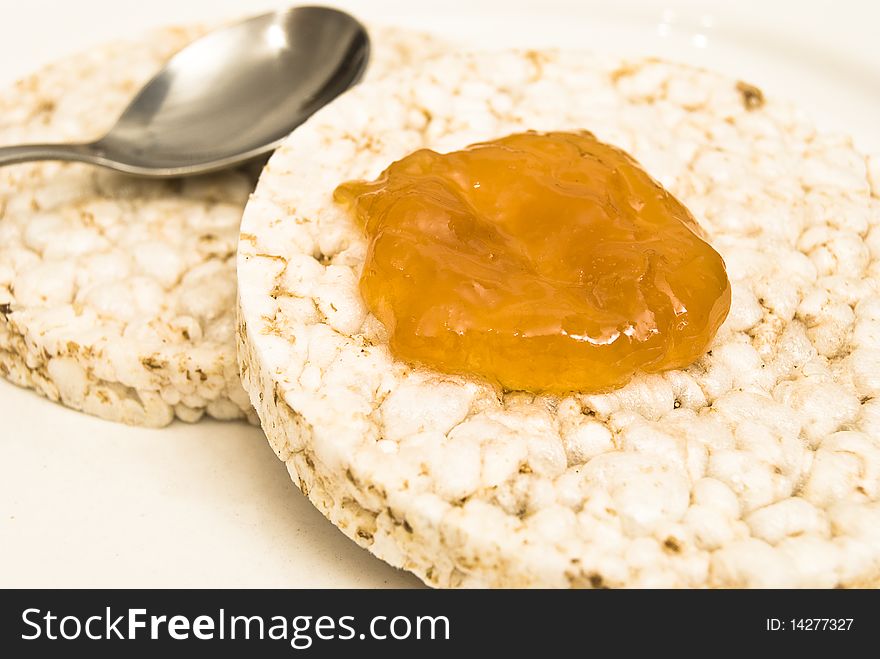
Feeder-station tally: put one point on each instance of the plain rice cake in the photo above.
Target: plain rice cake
(117, 294)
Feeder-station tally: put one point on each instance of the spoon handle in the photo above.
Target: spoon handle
(12, 155)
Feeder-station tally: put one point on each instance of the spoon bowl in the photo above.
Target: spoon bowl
(227, 98)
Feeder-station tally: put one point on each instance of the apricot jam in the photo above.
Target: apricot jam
(549, 262)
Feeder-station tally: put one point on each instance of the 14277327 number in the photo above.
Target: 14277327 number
(820, 624)
(809, 624)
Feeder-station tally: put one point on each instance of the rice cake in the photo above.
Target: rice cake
(117, 295)
(759, 465)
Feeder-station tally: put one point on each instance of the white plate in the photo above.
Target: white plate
(84, 502)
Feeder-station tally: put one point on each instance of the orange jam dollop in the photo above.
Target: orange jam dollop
(549, 262)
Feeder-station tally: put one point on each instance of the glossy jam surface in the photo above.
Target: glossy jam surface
(549, 262)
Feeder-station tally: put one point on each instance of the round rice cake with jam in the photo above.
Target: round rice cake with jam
(117, 294)
(758, 465)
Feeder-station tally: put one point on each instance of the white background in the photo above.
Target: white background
(84, 502)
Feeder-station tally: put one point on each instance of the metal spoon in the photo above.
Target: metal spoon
(227, 98)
